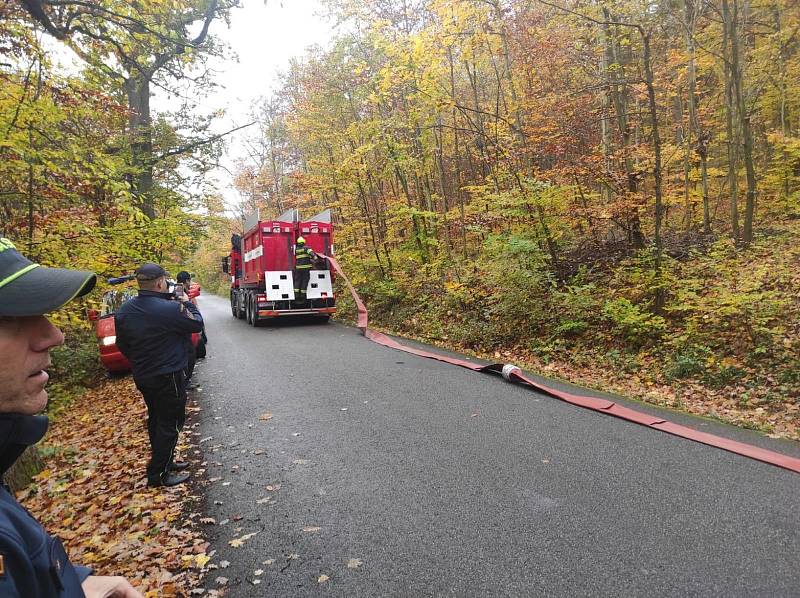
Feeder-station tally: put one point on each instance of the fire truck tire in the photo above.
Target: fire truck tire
(248, 309)
(253, 312)
(234, 306)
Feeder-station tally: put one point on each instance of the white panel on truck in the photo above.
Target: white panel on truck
(318, 283)
(280, 285)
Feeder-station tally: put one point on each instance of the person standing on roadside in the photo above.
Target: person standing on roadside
(192, 289)
(34, 564)
(154, 331)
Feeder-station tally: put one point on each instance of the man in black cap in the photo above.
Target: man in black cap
(154, 331)
(33, 563)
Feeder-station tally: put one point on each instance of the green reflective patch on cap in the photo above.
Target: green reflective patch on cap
(16, 274)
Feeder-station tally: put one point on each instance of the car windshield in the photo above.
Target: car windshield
(112, 300)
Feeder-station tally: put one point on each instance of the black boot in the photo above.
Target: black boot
(169, 479)
(178, 465)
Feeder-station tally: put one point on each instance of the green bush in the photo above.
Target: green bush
(687, 363)
(76, 366)
(635, 325)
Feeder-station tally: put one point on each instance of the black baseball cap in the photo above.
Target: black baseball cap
(183, 276)
(150, 271)
(28, 289)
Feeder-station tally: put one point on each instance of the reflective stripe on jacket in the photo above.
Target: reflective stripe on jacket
(302, 257)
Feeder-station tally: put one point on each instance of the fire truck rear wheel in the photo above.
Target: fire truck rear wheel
(254, 311)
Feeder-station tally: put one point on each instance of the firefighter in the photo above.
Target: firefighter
(303, 262)
(154, 332)
(32, 562)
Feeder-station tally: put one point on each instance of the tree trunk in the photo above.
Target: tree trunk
(730, 119)
(137, 86)
(737, 71)
(651, 97)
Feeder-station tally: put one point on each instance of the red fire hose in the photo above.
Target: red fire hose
(513, 374)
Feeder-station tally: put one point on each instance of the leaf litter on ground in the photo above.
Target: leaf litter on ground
(93, 495)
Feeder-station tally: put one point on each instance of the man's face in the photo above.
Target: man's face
(25, 344)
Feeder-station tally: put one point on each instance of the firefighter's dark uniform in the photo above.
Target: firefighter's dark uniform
(303, 258)
(33, 564)
(156, 337)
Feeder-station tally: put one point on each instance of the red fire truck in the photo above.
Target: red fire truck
(261, 266)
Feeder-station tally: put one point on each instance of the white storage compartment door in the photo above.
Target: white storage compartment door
(280, 285)
(319, 285)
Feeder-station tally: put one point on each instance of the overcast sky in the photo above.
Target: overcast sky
(264, 35)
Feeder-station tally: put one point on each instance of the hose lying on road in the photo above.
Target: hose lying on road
(513, 374)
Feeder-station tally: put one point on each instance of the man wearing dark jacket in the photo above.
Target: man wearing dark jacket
(33, 564)
(154, 331)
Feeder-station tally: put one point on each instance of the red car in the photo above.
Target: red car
(110, 356)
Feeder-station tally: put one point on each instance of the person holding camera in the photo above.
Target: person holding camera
(192, 289)
(154, 331)
(32, 562)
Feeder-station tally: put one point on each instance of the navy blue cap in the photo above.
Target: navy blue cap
(28, 289)
(150, 271)
(183, 276)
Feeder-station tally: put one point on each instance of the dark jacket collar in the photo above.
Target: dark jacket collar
(145, 293)
(18, 432)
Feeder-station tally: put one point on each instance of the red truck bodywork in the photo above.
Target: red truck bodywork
(261, 265)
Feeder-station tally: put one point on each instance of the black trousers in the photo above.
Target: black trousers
(165, 397)
(301, 278)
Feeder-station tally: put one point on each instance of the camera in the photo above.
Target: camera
(177, 291)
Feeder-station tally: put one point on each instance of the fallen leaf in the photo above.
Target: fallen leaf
(268, 562)
(322, 578)
(273, 487)
(354, 563)
(265, 417)
(221, 580)
(258, 572)
(238, 542)
(224, 564)
(311, 529)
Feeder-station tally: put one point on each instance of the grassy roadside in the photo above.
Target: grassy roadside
(726, 346)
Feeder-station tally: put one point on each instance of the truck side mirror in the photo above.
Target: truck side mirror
(226, 264)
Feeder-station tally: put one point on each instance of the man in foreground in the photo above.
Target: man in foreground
(154, 331)
(33, 563)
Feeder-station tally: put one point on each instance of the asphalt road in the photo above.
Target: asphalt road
(431, 480)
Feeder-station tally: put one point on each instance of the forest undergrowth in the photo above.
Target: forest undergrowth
(726, 343)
